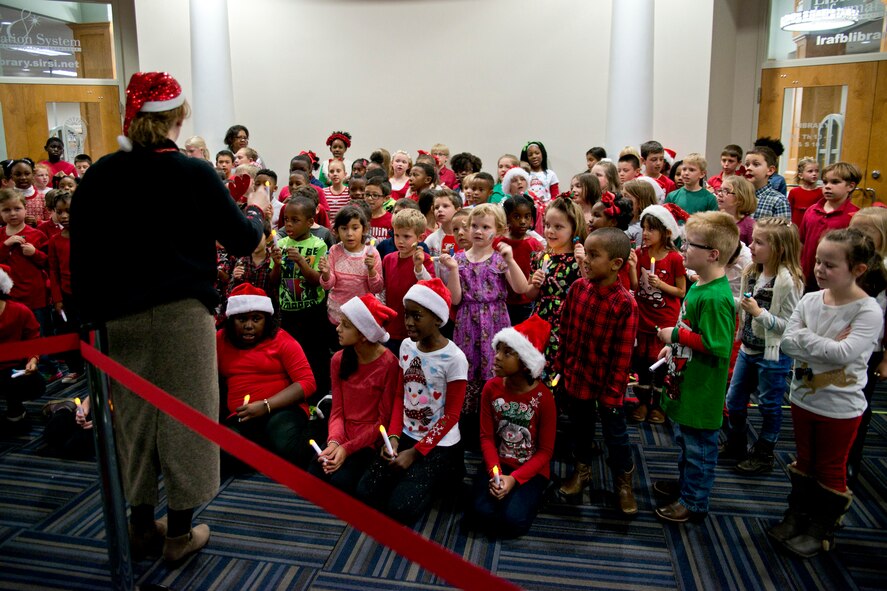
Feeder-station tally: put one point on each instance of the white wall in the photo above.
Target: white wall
(479, 75)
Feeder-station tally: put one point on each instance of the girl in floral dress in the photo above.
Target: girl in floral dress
(558, 266)
(477, 283)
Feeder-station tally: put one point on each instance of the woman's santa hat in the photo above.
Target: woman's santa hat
(248, 298)
(431, 294)
(528, 339)
(513, 173)
(369, 315)
(5, 280)
(149, 92)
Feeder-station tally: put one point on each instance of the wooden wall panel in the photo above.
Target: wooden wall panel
(25, 123)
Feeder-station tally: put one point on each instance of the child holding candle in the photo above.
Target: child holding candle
(518, 424)
(477, 281)
(771, 286)
(65, 305)
(521, 216)
(424, 428)
(17, 323)
(366, 378)
(565, 232)
(698, 351)
(598, 326)
(352, 267)
(258, 360)
(659, 282)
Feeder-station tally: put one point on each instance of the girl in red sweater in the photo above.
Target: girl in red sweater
(258, 360)
(366, 377)
(66, 309)
(517, 429)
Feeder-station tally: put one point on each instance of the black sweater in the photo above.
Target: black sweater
(144, 226)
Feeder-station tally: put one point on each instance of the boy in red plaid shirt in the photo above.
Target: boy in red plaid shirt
(598, 326)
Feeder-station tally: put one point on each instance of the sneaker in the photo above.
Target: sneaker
(72, 378)
(656, 417)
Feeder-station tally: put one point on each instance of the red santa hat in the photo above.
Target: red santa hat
(513, 172)
(431, 294)
(248, 298)
(149, 92)
(528, 339)
(5, 279)
(657, 188)
(664, 215)
(670, 156)
(369, 315)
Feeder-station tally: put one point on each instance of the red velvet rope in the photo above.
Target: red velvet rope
(447, 565)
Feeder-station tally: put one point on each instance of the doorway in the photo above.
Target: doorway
(85, 117)
(830, 113)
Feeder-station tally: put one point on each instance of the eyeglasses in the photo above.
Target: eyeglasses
(686, 245)
(368, 196)
(724, 192)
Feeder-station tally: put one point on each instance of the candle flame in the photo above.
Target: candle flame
(372, 242)
(496, 470)
(546, 258)
(77, 401)
(246, 400)
(382, 431)
(556, 379)
(652, 260)
(312, 443)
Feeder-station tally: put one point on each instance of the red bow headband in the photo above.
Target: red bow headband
(311, 155)
(339, 135)
(612, 209)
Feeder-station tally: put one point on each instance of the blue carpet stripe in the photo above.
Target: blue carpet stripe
(213, 572)
(326, 581)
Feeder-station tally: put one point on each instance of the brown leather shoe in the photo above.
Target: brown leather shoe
(579, 480)
(656, 417)
(675, 513)
(639, 414)
(627, 503)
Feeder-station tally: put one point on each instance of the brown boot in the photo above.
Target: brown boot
(176, 550)
(627, 504)
(639, 414)
(579, 480)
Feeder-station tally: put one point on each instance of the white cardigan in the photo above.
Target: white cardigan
(770, 325)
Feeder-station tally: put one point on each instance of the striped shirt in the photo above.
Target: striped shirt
(336, 202)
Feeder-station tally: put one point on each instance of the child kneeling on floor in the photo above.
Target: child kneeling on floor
(517, 429)
(366, 378)
(424, 428)
(267, 378)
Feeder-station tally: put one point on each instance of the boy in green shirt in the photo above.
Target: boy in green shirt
(698, 353)
(302, 301)
(692, 198)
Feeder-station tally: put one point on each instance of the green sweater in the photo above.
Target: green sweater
(696, 384)
(693, 201)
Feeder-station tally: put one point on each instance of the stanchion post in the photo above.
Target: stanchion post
(113, 501)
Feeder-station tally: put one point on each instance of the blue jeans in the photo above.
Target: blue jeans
(512, 516)
(696, 463)
(770, 379)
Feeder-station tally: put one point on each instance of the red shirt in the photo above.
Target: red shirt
(817, 222)
(336, 201)
(523, 251)
(599, 324)
(49, 229)
(264, 370)
(399, 193)
(716, 181)
(363, 401)
(654, 307)
(28, 272)
(59, 267)
(800, 200)
(448, 177)
(399, 278)
(517, 430)
(380, 227)
(666, 183)
(61, 166)
(17, 323)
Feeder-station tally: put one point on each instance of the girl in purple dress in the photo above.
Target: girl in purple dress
(477, 283)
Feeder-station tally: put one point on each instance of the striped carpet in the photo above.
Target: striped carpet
(263, 537)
